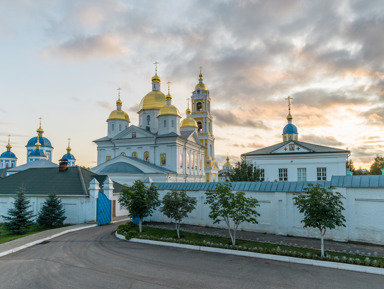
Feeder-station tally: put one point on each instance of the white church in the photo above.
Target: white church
(293, 160)
(162, 147)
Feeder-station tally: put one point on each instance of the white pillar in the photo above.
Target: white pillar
(94, 189)
(108, 188)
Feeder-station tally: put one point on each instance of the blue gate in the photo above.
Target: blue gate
(104, 210)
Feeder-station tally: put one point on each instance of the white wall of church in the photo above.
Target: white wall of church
(364, 212)
(335, 166)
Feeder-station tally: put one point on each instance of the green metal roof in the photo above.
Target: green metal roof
(42, 181)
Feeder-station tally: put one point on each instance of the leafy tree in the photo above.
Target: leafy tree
(350, 165)
(19, 219)
(322, 209)
(232, 208)
(177, 205)
(140, 200)
(52, 212)
(377, 165)
(244, 172)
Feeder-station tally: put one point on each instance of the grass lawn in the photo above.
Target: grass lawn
(6, 236)
(167, 235)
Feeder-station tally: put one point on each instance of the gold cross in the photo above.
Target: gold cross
(169, 86)
(155, 63)
(201, 68)
(40, 120)
(188, 102)
(119, 91)
(289, 103)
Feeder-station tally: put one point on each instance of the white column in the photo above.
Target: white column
(94, 189)
(108, 188)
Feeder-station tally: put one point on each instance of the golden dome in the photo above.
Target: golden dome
(8, 146)
(189, 122)
(289, 116)
(169, 109)
(201, 86)
(40, 130)
(153, 100)
(118, 114)
(156, 78)
(227, 164)
(119, 102)
(188, 111)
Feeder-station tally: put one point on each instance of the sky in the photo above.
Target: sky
(64, 60)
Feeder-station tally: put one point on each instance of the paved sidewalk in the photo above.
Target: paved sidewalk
(363, 248)
(25, 242)
(5, 247)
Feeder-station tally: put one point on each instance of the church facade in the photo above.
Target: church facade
(162, 147)
(294, 160)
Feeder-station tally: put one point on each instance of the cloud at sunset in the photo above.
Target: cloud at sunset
(327, 55)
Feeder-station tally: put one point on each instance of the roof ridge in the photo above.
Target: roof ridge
(85, 190)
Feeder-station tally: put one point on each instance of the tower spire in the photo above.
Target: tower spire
(201, 73)
(8, 146)
(119, 103)
(69, 146)
(40, 131)
(289, 116)
(38, 144)
(155, 63)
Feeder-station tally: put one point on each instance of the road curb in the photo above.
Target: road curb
(30, 244)
(318, 263)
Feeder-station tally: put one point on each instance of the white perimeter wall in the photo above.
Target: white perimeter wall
(364, 212)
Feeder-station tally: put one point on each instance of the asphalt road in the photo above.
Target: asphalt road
(94, 258)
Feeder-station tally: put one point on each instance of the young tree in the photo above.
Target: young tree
(52, 212)
(350, 165)
(140, 200)
(377, 165)
(19, 219)
(244, 172)
(322, 209)
(177, 205)
(232, 208)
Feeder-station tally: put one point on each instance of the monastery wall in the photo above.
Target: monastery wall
(364, 213)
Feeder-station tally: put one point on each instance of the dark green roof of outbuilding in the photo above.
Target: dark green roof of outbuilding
(42, 181)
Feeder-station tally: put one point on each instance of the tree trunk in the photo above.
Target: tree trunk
(178, 230)
(322, 244)
(140, 225)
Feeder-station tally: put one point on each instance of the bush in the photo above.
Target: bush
(129, 226)
(131, 234)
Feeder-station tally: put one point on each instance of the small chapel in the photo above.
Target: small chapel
(293, 160)
(163, 147)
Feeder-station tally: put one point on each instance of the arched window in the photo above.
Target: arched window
(199, 106)
(134, 155)
(173, 123)
(119, 127)
(113, 127)
(146, 156)
(165, 123)
(148, 119)
(199, 126)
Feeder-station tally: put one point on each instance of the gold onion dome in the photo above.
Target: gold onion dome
(156, 78)
(227, 164)
(169, 109)
(119, 102)
(8, 146)
(201, 84)
(153, 100)
(289, 117)
(119, 114)
(189, 122)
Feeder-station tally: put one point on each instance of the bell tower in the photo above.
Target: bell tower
(201, 113)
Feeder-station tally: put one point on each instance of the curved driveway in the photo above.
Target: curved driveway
(94, 258)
